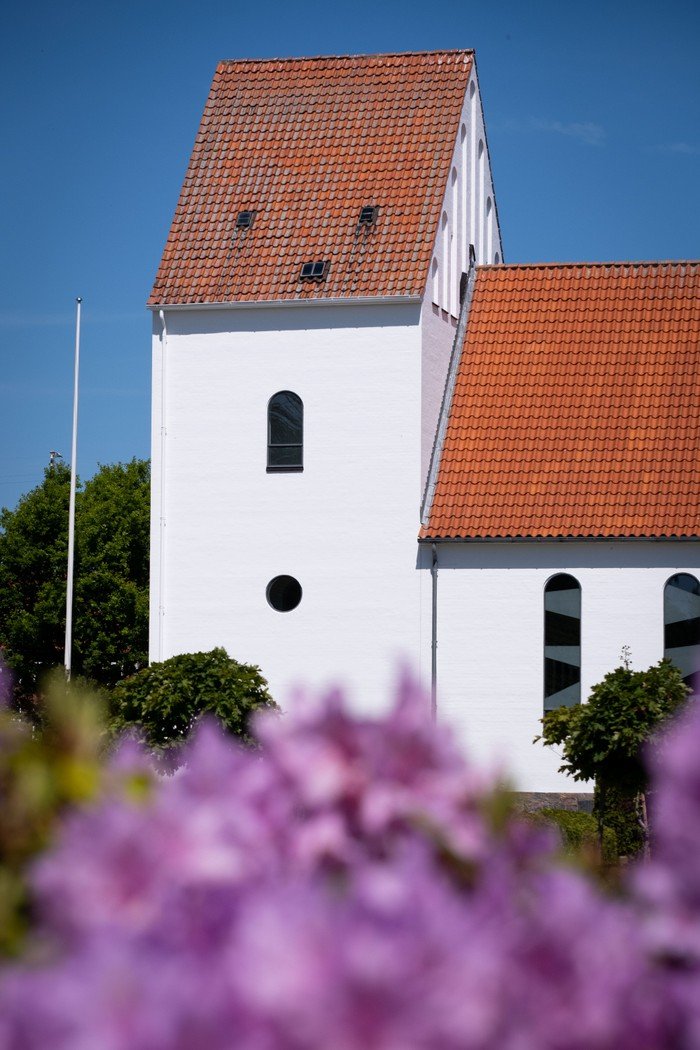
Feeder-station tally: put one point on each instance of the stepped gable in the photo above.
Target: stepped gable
(575, 409)
(305, 144)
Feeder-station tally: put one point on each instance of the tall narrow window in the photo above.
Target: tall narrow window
(562, 642)
(285, 432)
(682, 627)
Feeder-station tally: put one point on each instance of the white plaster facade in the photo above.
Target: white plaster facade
(463, 222)
(345, 527)
(490, 635)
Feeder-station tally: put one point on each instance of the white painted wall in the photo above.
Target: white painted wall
(463, 218)
(437, 337)
(345, 528)
(491, 634)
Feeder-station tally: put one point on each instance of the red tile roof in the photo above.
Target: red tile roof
(305, 143)
(576, 406)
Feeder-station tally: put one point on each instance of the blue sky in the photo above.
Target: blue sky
(592, 113)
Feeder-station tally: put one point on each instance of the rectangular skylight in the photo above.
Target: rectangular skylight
(314, 271)
(368, 215)
(244, 220)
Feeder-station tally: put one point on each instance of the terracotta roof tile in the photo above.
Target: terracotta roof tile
(575, 409)
(306, 143)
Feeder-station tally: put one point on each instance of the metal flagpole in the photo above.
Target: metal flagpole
(71, 507)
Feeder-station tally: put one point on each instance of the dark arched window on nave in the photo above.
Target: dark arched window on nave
(562, 642)
(285, 432)
(682, 627)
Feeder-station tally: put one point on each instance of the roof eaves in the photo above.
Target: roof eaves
(582, 538)
(267, 304)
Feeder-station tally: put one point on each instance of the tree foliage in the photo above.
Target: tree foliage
(604, 740)
(110, 614)
(605, 737)
(165, 699)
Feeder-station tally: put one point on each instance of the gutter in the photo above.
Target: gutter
(425, 540)
(433, 635)
(268, 304)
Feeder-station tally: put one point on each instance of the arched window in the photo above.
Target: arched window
(682, 627)
(445, 290)
(285, 432)
(562, 642)
(488, 232)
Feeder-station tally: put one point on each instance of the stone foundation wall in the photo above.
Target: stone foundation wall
(531, 801)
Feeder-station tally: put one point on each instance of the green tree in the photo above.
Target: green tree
(112, 544)
(33, 553)
(164, 700)
(110, 614)
(604, 741)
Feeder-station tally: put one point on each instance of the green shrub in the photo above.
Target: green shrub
(622, 817)
(605, 739)
(165, 699)
(579, 832)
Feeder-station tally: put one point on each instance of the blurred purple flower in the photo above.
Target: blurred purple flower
(343, 888)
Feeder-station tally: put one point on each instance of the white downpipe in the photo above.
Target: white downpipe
(71, 506)
(161, 490)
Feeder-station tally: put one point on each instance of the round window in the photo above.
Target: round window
(284, 593)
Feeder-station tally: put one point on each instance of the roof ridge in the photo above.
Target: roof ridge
(363, 54)
(581, 265)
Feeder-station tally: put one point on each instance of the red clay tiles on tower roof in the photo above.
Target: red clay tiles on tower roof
(305, 143)
(576, 406)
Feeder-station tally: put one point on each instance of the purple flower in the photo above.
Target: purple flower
(342, 887)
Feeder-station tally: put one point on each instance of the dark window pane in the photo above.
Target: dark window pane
(284, 456)
(562, 582)
(682, 627)
(561, 630)
(682, 632)
(562, 642)
(285, 419)
(285, 432)
(284, 593)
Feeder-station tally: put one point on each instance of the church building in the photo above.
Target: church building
(375, 443)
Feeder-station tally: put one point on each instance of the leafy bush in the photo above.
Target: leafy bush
(579, 832)
(604, 740)
(349, 885)
(165, 699)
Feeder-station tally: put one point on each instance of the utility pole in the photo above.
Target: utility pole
(71, 508)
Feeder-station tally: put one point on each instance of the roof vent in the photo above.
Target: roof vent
(368, 215)
(314, 271)
(244, 220)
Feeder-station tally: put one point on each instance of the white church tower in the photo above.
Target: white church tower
(304, 315)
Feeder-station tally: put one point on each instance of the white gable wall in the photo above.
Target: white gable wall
(490, 675)
(468, 216)
(345, 527)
